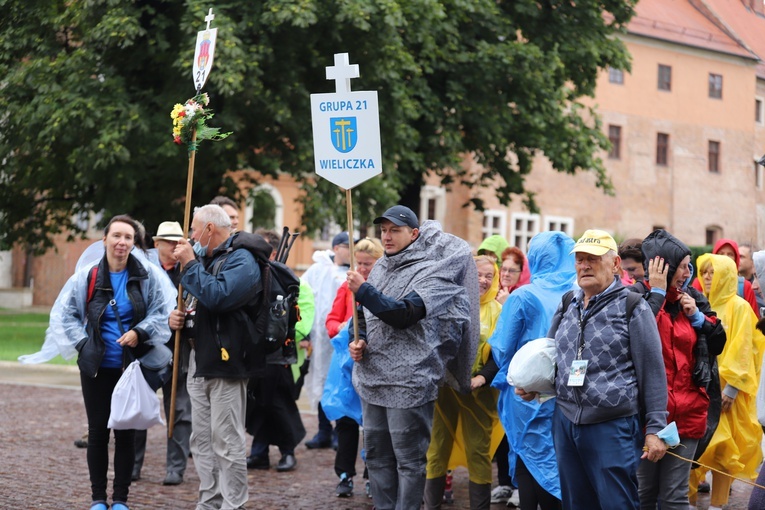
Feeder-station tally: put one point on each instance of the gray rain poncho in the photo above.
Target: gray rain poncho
(403, 368)
(67, 316)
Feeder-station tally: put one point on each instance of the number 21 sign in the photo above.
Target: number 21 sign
(204, 52)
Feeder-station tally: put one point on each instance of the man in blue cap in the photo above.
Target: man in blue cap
(419, 330)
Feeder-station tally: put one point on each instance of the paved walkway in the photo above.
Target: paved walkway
(41, 413)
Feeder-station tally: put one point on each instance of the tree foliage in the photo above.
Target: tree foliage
(86, 88)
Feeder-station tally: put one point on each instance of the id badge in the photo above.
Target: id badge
(578, 369)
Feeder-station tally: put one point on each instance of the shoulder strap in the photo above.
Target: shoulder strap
(633, 299)
(92, 282)
(567, 298)
(741, 286)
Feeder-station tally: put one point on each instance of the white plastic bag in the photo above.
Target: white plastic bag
(533, 367)
(134, 404)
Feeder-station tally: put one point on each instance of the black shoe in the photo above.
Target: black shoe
(318, 441)
(258, 462)
(704, 488)
(286, 463)
(82, 442)
(135, 476)
(173, 478)
(345, 487)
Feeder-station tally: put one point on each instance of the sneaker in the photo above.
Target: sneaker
(514, 501)
(501, 494)
(345, 487)
(173, 478)
(704, 488)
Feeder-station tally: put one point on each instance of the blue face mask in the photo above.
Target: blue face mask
(199, 250)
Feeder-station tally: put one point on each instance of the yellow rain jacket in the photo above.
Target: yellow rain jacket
(466, 429)
(735, 446)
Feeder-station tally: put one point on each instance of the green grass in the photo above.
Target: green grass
(24, 333)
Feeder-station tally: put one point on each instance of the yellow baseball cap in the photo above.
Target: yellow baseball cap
(595, 242)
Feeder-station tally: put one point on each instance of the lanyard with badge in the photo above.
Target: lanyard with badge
(579, 365)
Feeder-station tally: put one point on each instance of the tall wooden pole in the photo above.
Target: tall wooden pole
(186, 226)
(349, 207)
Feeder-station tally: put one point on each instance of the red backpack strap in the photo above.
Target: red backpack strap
(92, 282)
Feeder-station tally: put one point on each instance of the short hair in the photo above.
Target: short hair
(371, 246)
(752, 247)
(212, 213)
(632, 249)
(270, 236)
(122, 218)
(221, 200)
(516, 254)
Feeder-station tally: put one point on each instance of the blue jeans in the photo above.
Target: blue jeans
(396, 443)
(666, 481)
(598, 462)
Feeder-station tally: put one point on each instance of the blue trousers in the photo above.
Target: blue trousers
(598, 462)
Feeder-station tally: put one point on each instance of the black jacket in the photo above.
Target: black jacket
(91, 349)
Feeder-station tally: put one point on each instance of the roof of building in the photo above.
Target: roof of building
(680, 22)
(745, 24)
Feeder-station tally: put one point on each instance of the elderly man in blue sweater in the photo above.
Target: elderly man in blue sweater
(610, 384)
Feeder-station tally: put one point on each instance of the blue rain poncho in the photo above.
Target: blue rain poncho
(526, 315)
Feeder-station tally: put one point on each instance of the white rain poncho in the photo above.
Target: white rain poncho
(324, 277)
(68, 316)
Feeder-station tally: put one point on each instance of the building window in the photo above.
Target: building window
(715, 86)
(757, 175)
(712, 234)
(665, 77)
(662, 148)
(714, 156)
(494, 222)
(265, 209)
(615, 76)
(432, 203)
(615, 137)
(524, 227)
(560, 224)
(759, 115)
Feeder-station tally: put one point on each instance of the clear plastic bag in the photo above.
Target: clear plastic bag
(134, 404)
(533, 367)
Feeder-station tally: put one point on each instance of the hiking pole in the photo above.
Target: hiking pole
(282, 244)
(289, 246)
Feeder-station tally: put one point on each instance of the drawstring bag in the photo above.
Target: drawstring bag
(134, 404)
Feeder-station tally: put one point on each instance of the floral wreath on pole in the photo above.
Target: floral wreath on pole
(193, 115)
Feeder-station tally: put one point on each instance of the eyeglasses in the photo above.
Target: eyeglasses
(508, 270)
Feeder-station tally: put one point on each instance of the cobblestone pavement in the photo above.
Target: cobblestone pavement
(41, 413)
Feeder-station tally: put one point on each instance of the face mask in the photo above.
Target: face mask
(199, 250)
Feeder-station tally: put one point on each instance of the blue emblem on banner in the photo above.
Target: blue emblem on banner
(343, 133)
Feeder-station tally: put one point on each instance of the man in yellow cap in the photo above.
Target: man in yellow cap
(610, 384)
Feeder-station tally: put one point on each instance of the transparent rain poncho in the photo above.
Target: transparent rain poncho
(68, 317)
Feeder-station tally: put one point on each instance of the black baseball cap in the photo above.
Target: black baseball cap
(399, 215)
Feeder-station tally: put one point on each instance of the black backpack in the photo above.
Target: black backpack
(275, 311)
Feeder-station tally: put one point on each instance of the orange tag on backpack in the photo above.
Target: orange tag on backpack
(223, 354)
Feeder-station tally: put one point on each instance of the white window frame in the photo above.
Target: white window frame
(563, 224)
(279, 207)
(437, 193)
(521, 237)
(488, 221)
